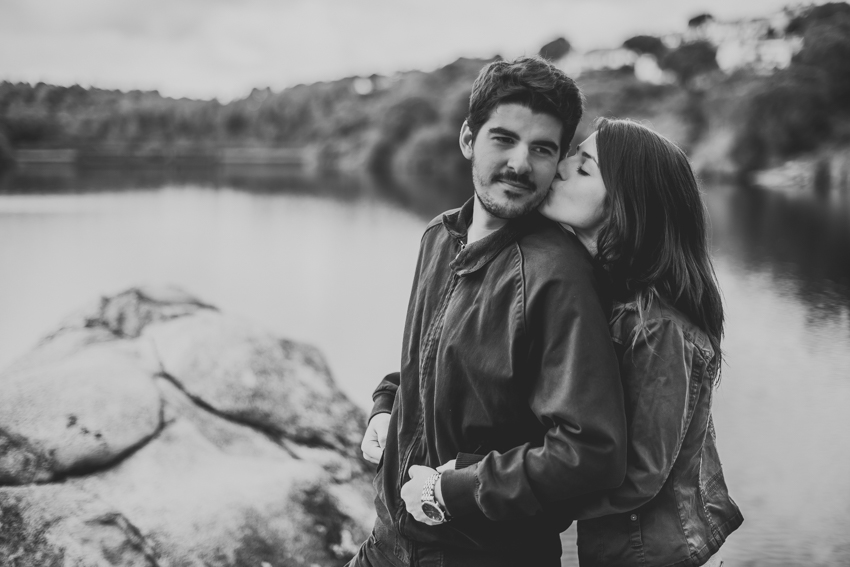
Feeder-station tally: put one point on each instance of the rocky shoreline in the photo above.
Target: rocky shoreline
(152, 429)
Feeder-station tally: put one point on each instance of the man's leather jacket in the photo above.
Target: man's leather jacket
(673, 509)
(507, 366)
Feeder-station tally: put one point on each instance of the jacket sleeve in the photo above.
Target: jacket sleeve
(575, 393)
(384, 395)
(657, 371)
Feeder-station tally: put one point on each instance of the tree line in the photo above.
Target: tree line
(407, 124)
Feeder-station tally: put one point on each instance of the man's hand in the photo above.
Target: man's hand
(375, 438)
(411, 493)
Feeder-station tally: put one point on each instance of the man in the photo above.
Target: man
(508, 383)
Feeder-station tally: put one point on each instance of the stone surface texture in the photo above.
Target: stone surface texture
(152, 430)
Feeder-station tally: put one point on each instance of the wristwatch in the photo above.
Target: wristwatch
(430, 505)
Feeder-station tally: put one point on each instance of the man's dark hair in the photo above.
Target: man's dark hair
(532, 82)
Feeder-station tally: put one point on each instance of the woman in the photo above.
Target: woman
(631, 198)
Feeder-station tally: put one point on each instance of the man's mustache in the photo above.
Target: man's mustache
(515, 178)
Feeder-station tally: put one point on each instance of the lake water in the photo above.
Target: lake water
(330, 263)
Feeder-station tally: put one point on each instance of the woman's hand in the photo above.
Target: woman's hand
(375, 437)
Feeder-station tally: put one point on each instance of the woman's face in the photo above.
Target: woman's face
(577, 196)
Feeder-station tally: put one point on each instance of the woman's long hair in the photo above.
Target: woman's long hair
(655, 241)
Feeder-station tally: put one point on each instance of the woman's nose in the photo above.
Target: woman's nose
(564, 167)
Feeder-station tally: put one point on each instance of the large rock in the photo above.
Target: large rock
(183, 437)
(126, 314)
(249, 375)
(60, 526)
(74, 413)
(220, 496)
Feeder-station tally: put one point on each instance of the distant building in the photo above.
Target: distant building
(367, 85)
(764, 55)
(759, 44)
(645, 66)
(363, 85)
(575, 63)
(648, 71)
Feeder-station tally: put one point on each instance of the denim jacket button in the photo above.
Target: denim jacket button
(634, 517)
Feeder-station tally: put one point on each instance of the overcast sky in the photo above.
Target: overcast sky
(224, 48)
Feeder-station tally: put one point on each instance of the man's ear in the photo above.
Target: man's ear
(466, 139)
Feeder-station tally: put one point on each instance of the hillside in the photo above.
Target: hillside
(733, 116)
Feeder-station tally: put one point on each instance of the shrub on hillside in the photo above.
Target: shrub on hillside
(699, 20)
(827, 47)
(396, 125)
(690, 60)
(555, 49)
(646, 44)
(433, 151)
(789, 114)
(28, 125)
(817, 14)
(5, 152)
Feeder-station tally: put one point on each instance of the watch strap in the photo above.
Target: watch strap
(429, 494)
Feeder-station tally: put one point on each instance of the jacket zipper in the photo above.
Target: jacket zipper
(436, 325)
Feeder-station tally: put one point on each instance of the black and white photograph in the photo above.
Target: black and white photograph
(384, 283)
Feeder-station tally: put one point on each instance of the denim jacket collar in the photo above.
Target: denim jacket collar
(478, 254)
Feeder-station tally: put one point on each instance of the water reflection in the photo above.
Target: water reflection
(802, 241)
(330, 262)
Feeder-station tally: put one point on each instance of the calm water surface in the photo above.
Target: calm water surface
(331, 264)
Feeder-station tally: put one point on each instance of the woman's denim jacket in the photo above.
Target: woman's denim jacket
(673, 507)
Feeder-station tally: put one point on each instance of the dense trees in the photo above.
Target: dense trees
(785, 116)
(5, 151)
(690, 60)
(408, 123)
(827, 47)
(801, 107)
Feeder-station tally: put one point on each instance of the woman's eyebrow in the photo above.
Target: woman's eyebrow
(588, 156)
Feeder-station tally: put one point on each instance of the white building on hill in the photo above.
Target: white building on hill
(646, 67)
(758, 43)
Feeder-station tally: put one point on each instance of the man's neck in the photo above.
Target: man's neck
(483, 223)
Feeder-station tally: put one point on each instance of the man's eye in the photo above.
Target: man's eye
(504, 140)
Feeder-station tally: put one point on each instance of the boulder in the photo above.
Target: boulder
(213, 492)
(182, 437)
(74, 413)
(126, 314)
(59, 526)
(247, 374)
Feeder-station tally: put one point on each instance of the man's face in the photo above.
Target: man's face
(514, 159)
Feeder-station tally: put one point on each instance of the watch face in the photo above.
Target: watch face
(432, 511)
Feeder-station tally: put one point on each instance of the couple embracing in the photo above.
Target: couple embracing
(560, 352)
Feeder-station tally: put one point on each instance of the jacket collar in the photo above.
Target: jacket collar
(478, 254)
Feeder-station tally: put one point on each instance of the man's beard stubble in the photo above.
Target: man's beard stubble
(509, 210)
